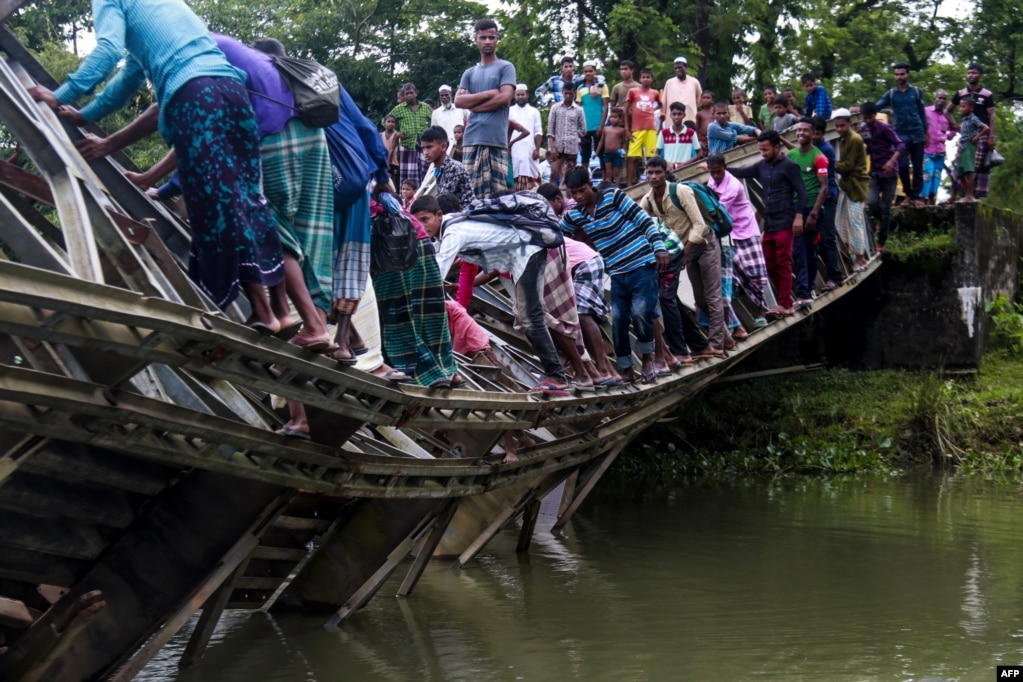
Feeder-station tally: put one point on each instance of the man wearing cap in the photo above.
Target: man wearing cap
(526, 152)
(682, 88)
(447, 115)
(594, 98)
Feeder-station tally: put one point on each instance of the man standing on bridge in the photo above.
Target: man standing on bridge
(781, 179)
(633, 251)
(486, 90)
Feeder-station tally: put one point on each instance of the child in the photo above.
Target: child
(783, 118)
(456, 152)
(566, 125)
(390, 139)
(612, 144)
(790, 95)
(970, 133)
(723, 135)
(641, 107)
(738, 110)
(704, 115)
(408, 193)
(677, 143)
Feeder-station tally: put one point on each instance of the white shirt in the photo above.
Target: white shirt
(522, 151)
(447, 118)
(492, 247)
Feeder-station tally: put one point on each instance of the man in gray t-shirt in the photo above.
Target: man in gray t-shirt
(486, 90)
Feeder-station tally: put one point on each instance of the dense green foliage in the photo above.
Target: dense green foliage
(839, 421)
(376, 45)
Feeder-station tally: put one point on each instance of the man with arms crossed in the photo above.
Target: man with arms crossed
(486, 90)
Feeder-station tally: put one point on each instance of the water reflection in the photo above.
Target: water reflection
(854, 579)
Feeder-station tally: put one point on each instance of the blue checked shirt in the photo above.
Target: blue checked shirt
(818, 102)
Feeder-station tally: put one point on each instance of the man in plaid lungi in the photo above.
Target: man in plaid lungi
(984, 109)
(750, 268)
(486, 90)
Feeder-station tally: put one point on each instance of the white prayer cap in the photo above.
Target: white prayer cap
(522, 86)
(681, 60)
(841, 113)
(590, 62)
(444, 88)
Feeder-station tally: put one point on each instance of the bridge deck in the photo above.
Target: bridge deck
(140, 477)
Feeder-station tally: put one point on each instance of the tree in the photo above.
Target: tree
(46, 22)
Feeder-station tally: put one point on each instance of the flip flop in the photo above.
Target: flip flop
(440, 383)
(263, 328)
(292, 433)
(317, 345)
(648, 378)
(287, 333)
(395, 375)
(608, 382)
(584, 388)
(347, 362)
(458, 381)
(361, 350)
(549, 389)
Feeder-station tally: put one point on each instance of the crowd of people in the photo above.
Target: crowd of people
(282, 211)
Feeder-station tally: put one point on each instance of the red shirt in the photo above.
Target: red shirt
(642, 104)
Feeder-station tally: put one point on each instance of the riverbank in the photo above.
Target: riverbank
(836, 421)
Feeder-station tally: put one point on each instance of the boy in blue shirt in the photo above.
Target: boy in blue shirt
(723, 134)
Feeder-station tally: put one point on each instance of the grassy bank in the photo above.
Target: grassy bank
(838, 421)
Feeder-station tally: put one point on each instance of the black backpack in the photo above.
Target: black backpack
(315, 88)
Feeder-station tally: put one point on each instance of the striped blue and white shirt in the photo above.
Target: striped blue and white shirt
(623, 233)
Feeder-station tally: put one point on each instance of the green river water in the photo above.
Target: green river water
(910, 578)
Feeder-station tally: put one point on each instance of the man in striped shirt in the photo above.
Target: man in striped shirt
(633, 252)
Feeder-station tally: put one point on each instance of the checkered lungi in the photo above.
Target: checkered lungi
(488, 167)
(727, 258)
(851, 224)
(982, 172)
(351, 255)
(588, 278)
(296, 171)
(750, 269)
(982, 179)
(414, 320)
(412, 165)
(559, 309)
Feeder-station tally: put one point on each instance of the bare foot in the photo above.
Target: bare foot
(509, 458)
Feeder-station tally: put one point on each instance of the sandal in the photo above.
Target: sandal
(549, 388)
(457, 381)
(262, 327)
(319, 344)
(829, 286)
(292, 433)
(342, 357)
(395, 375)
(361, 350)
(287, 333)
(647, 378)
(608, 382)
(443, 382)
